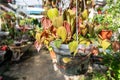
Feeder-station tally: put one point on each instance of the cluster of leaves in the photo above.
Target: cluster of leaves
(28, 21)
(110, 21)
(62, 29)
(112, 62)
(57, 27)
(9, 23)
(111, 16)
(10, 15)
(99, 76)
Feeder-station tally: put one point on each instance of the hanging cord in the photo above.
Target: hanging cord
(84, 4)
(77, 19)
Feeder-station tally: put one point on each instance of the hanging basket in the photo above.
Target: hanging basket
(77, 65)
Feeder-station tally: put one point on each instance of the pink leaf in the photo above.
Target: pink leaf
(46, 23)
(68, 28)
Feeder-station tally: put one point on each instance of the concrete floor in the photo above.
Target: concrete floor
(32, 66)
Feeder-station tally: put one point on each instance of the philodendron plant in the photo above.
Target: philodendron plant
(62, 29)
(58, 28)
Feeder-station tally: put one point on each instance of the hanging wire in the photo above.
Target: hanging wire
(77, 19)
(84, 4)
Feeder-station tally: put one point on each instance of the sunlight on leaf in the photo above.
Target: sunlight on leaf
(52, 13)
(105, 44)
(73, 46)
(58, 21)
(58, 43)
(66, 59)
(62, 33)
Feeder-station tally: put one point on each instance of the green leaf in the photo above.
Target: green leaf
(73, 46)
(70, 17)
(58, 21)
(118, 71)
(58, 43)
(105, 44)
(52, 13)
(22, 22)
(62, 33)
(85, 14)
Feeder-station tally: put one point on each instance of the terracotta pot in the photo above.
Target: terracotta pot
(106, 34)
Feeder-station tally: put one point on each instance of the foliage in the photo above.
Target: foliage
(63, 27)
(12, 24)
(110, 19)
(58, 43)
(9, 16)
(28, 21)
(62, 33)
(62, 30)
(99, 76)
(52, 13)
(73, 46)
(112, 62)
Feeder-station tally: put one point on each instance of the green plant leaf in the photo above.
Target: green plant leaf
(70, 16)
(52, 13)
(66, 59)
(22, 22)
(105, 44)
(73, 46)
(62, 33)
(85, 14)
(58, 43)
(58, 21)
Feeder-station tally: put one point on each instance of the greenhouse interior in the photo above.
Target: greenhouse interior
(59, 39)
